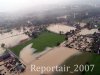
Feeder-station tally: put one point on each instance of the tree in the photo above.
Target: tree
(96, 43)
(99, 29)
(2, 45)
(58, 43)
(61, 32)
(66, 38)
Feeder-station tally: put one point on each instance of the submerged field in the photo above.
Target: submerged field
(84, 59)
(45, 39)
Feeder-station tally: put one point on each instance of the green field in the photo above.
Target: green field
(83, 59)
(45, 39)
(76, 59)
(95, 59)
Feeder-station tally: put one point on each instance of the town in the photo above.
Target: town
(56, 35)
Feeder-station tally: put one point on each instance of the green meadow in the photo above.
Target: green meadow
(45, 39)
(82, 59)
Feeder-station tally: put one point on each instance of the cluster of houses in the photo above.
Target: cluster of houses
(80, 42)
(36, 30)
(4, 30)
(10, 64)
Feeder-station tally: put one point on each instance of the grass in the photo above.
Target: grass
(95, 59)
(91, 58)
(45, 39)
(76, 59)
